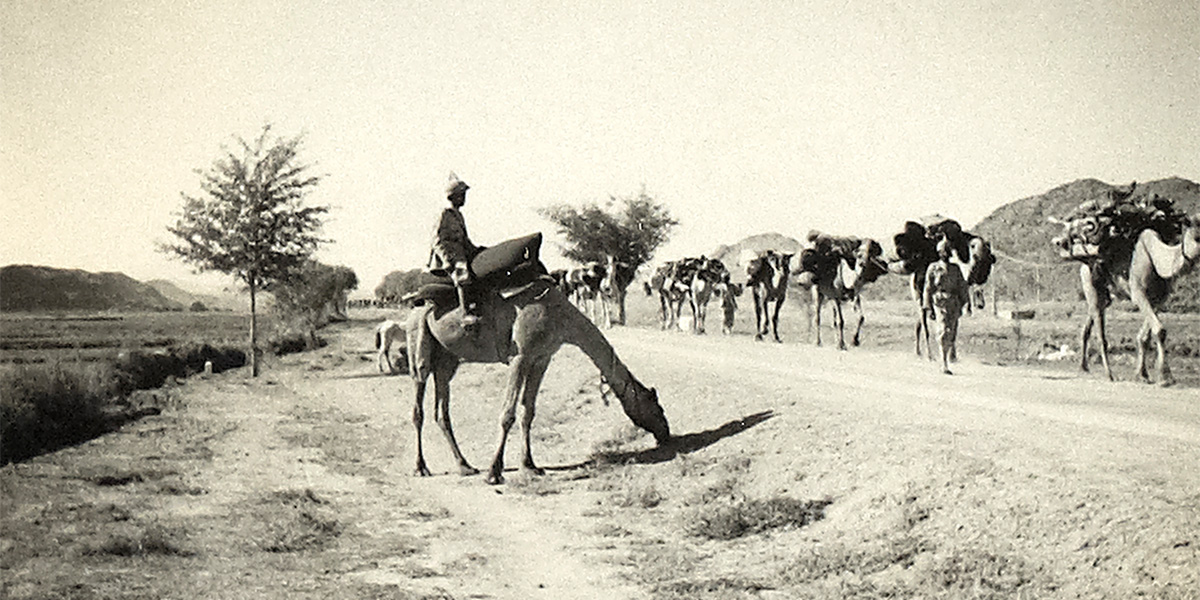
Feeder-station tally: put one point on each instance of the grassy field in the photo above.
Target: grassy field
(40, 338)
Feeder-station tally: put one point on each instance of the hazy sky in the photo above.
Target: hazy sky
(742, 117)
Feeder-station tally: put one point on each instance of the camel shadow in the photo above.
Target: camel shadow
(680, 444)
(371, 375)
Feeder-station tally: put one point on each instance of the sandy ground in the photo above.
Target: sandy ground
(996, 482)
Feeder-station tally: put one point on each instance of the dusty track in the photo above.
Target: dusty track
(994, 482)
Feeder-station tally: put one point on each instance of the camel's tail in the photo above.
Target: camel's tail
(378, 339)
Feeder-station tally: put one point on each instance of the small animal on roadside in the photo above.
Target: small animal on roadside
(387, 333)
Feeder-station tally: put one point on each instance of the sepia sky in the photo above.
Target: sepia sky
(742, 117)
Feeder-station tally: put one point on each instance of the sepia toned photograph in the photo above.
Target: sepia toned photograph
(616, 300)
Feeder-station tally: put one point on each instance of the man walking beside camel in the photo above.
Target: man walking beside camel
(945, 294)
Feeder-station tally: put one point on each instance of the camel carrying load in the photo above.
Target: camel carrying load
(836, 268)
(1110, 225)
(1133, 247)
(916, 249)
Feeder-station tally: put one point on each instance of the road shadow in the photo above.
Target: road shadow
(680, 444)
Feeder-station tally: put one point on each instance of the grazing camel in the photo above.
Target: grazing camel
(709, 273)
(767, 277)
(1145, 275)
(837, 269)
(387, 333)
(523, 328)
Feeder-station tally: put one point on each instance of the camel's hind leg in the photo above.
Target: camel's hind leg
(533, 382)
(517, 376)
(1095, 293)
(420, 366)
(443, 371)
(418, 419)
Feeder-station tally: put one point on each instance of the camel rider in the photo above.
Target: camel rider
(452, 250)
(944, 296)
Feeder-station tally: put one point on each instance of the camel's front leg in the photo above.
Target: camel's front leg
(775, 320)
(759, 310)
(839, 323)
(533, 382)
(442, 374)
(516, 380)
(1153, 327)
(858, 311)
(818, 303)
(1100, 325)
(1143, 345)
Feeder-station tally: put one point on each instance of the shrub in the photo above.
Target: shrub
(49, 406)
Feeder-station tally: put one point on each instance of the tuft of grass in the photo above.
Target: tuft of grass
(754, 516)
(717, 587)
(295, 521)
(152, 540)
(641, 496)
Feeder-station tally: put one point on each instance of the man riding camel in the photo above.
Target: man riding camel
(944, 296)
(452, 250)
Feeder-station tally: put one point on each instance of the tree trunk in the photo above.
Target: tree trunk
(253, 332)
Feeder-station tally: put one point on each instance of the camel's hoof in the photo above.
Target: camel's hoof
(534, 470)
(778, 341)
(946, 372)
(494, 479)
(856, 343)
(1166, 383)
(422, 471)
(465, 470)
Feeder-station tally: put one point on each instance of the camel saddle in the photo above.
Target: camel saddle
(508, 268)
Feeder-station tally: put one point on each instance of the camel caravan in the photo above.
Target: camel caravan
(511, 310)
(1134, 248)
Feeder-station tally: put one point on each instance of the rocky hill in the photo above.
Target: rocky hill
(733, 255)
(1030, 269)
(35, 288)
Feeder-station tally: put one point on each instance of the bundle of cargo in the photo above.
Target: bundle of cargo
(916, 246)
(823, 253)
(1110, 225)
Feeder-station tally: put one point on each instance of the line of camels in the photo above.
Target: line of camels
(525, 323)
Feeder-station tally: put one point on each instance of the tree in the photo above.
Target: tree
(628, 229)
(251, 222)
(397, 284)
(314, 295)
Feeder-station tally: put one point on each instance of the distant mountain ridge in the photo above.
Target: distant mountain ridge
(173, 292)
(37, 288)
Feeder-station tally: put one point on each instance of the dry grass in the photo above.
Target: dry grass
(295, 521)
(732, 521)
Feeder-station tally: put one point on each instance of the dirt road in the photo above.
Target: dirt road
(992, 483)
